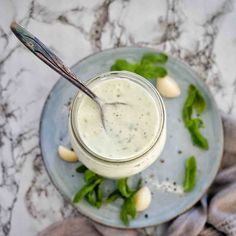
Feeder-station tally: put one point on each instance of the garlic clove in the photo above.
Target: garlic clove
(168, 87)
(142, 198)
(66, 154)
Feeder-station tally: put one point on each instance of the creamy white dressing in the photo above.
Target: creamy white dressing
(130, 129)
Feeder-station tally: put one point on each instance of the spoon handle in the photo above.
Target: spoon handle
(47, 56)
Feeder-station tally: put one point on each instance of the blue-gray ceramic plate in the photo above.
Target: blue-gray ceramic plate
(169, 167)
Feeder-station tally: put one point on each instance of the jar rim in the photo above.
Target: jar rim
(128, 75)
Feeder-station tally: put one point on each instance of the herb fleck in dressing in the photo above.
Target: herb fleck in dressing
(130, 129)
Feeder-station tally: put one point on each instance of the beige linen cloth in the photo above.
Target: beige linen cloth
(213, 215)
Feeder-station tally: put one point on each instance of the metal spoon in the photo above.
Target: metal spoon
(47, 56)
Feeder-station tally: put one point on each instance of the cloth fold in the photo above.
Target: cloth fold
(222, 210)
(191, 222)
(213, 215)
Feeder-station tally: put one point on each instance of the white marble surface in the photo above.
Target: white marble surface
(200, 32)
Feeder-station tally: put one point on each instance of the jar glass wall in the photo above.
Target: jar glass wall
(126, 145)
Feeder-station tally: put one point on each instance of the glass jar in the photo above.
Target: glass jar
(125, 166)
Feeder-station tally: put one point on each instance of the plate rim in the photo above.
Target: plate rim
(82, 212)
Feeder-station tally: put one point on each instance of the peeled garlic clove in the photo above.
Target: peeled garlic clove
(142, 198)
(168, 87)
(66, 154)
